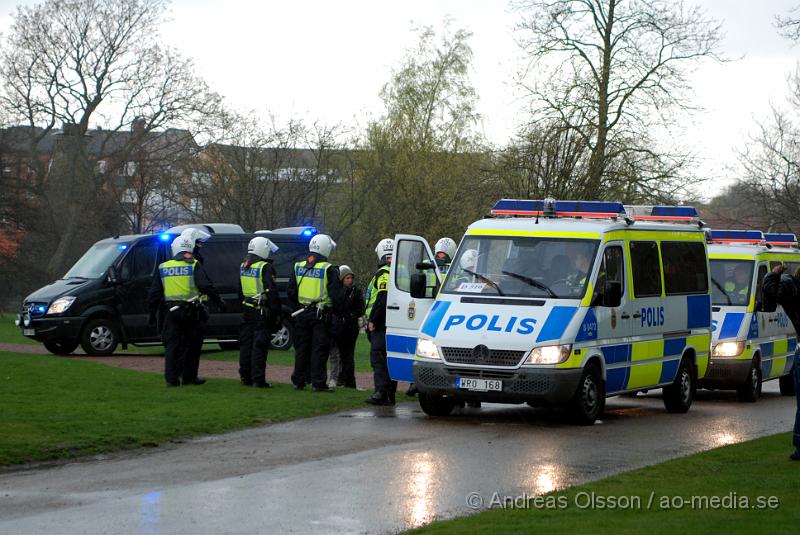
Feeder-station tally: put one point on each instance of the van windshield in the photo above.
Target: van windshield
(557, 268)
(94, 263)
(731, 281)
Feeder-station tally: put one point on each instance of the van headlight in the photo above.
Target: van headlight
(60, 305)
(427, 349)
(549, 355)
(728, 349)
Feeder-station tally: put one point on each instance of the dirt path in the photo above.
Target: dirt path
(155, 363)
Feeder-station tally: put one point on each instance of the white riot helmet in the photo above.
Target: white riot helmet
(261, 247)
(344, 271)
(322, 244)
(182, 244)
(195, 235)
(385, 248)
(469, 259)
(447, 246)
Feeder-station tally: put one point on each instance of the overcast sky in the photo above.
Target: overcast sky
(327, 60)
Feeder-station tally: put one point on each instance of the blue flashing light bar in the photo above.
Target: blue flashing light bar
(663, 213)
(309, 231)
(164, 236)
(122, 247)
(736, 236)
(588, 209)
(775, 238)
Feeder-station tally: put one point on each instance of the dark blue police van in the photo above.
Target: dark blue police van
(101, 302)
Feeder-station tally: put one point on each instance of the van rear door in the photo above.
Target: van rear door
(404, 314)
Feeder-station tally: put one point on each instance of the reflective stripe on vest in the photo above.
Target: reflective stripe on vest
(312, 282)
(177, 277)
(378, 284)
(251, 281)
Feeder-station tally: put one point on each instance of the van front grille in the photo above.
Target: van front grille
(494, 357)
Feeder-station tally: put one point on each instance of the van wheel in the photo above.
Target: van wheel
(589, 400)
(679, 395)
(786, 384)
(58, 347)
(100, 337)
(282, 338)
(435, 405)
(750, 390)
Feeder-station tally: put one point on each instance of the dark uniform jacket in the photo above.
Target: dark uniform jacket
(782, 290)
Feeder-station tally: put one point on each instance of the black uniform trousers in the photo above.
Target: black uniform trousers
(346, 342)
(181, 335)
(384, 386)
(254, 338)
(311, 345)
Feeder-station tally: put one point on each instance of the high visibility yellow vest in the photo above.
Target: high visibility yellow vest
(312, 282)
(251, 281)
(177, 277)
(378, 284)
(731, 287)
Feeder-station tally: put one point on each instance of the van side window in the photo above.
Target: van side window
(144, 259)
(612, 269)
(221, 263)
(646, 269)
(685, 268)
(762, 272)
(407, 255)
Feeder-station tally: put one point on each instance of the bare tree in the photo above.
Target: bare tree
(612, 71)
(789, 25)
(80, 62)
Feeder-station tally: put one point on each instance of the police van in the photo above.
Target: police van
(749, 345)
(101, 302)
(555, 303)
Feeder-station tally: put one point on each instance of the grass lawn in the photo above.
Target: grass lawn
(10, 333)
(55, 408)
(751, 469)
(285, 358)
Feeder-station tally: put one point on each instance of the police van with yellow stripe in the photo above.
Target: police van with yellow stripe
(555, 303)
(749, 345)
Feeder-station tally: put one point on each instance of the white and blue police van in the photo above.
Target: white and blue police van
(555, 303)
(749, 345)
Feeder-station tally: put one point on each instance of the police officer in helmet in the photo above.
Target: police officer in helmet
(385, 388)
(261, 311)
(315, 289)
(178, 286)
(444, 251)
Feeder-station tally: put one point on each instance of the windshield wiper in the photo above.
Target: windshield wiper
(488, 281)
(721, 289)
(531, 282)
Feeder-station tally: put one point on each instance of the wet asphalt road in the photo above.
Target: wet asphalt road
(368, 470)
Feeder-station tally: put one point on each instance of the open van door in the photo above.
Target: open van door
(404, 313)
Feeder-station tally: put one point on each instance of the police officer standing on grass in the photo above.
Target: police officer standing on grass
(261, 311)
(346, 331)
(315, 290)
(385, 388)
(178, 286)
(779, 288)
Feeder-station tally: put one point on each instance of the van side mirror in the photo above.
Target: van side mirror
(612, 294)
(418, 286)
(113, 276)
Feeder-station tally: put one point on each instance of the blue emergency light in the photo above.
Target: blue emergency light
(663, 213)
(309, 231)
(41, 309)
(736, 236)
(588, 209)
(122, 247)
(164, 237)
(780, 238)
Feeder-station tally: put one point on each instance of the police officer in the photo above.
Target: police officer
(345, 333)
(780, 288)
(315, 289)
(192, 358)
(178, 285)
(385, 388)
(739, 287)
(261, 311)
